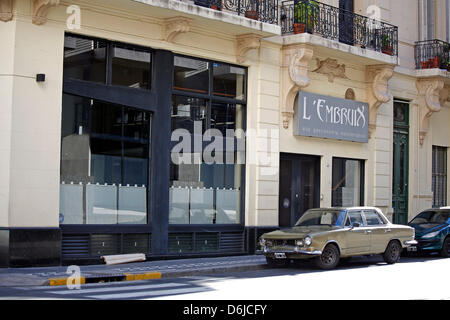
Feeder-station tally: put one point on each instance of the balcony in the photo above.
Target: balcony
(432, 54)
(339, 25)
(260, 10)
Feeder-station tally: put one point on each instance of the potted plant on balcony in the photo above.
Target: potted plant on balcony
(304, 12)
(424, 64)
(252, 10)
(433, 62)
(386, 44)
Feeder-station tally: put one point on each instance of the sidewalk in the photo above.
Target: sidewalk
(131, 271)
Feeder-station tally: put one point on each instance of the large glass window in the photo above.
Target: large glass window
(130, 67)
(229, 81)
(207, 147)
(348, 182)
(106, 62)
(191, 75)
(84, 59)
(104, 162)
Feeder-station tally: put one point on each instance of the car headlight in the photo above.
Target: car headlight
(299, 243)
(431, 235)
(308, 240)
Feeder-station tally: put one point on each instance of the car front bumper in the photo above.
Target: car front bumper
(290, 253)
(433, 244)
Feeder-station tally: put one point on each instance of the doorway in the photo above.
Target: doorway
(299, 186)
(400, 162)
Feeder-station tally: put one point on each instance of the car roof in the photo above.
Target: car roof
(347, 208)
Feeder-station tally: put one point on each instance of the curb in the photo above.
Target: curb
(61, 281)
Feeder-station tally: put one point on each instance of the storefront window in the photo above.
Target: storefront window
(348, 182)
(207, 147)
(229, 81)
(191, 75)
(84, 59)
(106, 62)
(104, 163)
(130, 67)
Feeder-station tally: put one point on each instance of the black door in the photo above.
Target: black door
(299, 187)
(400, 162)
(346, 26)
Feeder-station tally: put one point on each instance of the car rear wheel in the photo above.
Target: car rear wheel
(329, 258)
(393, 252)
(445, 248)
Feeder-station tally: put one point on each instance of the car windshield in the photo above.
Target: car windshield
(322, 218)
(436, 217)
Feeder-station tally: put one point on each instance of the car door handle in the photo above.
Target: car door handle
(387, 230)
(368, 231)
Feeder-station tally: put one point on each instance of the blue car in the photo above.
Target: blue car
(432, 228)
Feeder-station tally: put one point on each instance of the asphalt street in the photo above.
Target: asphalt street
(360, 278)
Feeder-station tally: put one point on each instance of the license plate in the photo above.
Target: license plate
(280, 255)
(412, 249)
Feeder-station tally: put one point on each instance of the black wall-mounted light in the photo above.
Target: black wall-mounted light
(40, 77)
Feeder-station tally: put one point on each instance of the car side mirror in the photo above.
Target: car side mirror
(356, 225)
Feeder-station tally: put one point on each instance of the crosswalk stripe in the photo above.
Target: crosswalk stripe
(119, 288)
(148, 294)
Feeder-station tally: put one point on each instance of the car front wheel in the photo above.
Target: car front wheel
(329, 258)
(392, 253)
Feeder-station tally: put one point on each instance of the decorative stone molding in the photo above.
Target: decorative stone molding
(377, 77)
(431, 95)
(246, 42)
(6, 12)
(331, 68)
(40, 10)
(294, 72)
(174, 26)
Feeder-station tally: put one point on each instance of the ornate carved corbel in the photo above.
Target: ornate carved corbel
(431, 94)
(295, 66)
(246, 42)
(377, 77)
(174, 26)
(6, 7)
(40, 10)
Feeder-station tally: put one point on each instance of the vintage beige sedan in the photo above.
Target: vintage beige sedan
(328, 234)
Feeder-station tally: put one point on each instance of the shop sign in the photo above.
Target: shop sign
(333, 118)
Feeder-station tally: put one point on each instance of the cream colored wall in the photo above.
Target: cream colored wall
(7, 34)
(35, 125)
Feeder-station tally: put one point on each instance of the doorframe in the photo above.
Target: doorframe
(294, 176)
(405, 129)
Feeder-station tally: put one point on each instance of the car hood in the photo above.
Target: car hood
(424, 228)
(297, 232)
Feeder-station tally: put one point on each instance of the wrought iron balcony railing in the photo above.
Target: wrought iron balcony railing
(431, 54)
(337, 24)
(261, 10)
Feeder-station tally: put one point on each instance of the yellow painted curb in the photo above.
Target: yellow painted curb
(142, 276)
(63, 281)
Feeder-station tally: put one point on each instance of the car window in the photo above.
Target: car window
(372, 218)
(354, 216)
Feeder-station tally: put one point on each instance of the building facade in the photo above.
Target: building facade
(188, 128)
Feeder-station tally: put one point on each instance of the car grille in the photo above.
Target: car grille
(282, 243)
